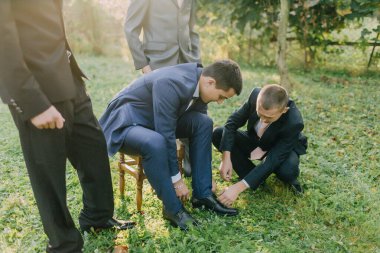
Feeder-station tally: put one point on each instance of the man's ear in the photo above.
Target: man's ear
(211, 81)
(285, 110)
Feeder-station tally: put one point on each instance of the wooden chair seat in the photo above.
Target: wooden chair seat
(133, 166)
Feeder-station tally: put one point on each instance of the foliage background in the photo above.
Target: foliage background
(338, 213)
(245, 30)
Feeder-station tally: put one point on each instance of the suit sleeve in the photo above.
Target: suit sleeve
(235, 121)
(136, 13)
(194, 36)
(276, 155)
(18, 86)
(166, 103)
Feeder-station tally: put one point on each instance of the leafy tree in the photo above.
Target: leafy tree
(311, 22)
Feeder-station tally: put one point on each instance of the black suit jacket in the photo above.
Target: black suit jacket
(280, 138)
(35, 67)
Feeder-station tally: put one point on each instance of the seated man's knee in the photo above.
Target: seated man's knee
(154, 145)
(204, 122)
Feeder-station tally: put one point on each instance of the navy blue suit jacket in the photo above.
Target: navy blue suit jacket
(282, 136)
(155, 101)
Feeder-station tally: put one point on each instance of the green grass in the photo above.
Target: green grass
(339, 211)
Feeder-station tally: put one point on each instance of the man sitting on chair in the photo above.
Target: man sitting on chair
(146, 117)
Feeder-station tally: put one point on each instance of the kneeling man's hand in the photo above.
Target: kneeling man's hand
(181, 190)
(230, 194)
(225, 170)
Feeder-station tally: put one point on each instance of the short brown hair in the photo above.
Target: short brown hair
(273, 96)
(226, 74)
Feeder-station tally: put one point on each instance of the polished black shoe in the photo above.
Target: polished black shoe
(111, 223)
(182, 219)
(213, 204)
(296, 187)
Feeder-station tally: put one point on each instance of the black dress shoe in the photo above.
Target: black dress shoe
(213, 204)
(296, 187)
(181, 219)
(111, 223)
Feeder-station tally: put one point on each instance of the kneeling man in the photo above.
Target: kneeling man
(273, 136)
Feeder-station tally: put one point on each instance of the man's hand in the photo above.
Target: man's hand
(181, 190)
(257, 154)
(51, 118)
(225, 170)
(146, 69)
(225, 167)
(230, 194)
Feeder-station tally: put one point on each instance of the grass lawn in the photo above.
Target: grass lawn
(339, 212)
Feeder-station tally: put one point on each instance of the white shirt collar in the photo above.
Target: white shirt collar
(196, 92)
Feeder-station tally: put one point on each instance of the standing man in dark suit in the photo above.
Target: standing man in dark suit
(169, 37)
(43, 87)
(147, 116)
(273, 136)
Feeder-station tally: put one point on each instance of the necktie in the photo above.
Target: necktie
(258, 153)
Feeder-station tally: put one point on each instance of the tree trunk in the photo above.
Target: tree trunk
(281, 45)
(96, 39)
(250, 46)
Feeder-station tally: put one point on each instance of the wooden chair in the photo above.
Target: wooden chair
(133, 166)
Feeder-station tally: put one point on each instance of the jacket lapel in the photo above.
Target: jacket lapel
(272, 128)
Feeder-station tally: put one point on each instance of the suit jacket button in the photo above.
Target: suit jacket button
(68, 55)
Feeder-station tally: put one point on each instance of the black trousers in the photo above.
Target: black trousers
(287, 172)
(45, 152)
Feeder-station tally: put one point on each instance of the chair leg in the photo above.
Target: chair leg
(121, 182)
(139, 186)
(121, 176)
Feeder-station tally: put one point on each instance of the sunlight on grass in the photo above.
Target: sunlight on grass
(338, 212)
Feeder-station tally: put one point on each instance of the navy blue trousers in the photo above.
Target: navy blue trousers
(152, 146)
(287, 172)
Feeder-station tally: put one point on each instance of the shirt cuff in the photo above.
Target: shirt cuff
(176, 178)
(246, 184)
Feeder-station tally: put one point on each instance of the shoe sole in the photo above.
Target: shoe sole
(213, 210)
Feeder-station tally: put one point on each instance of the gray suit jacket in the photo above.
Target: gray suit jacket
(168, 33)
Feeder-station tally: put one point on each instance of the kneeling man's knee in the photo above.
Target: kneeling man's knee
(217, 136)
